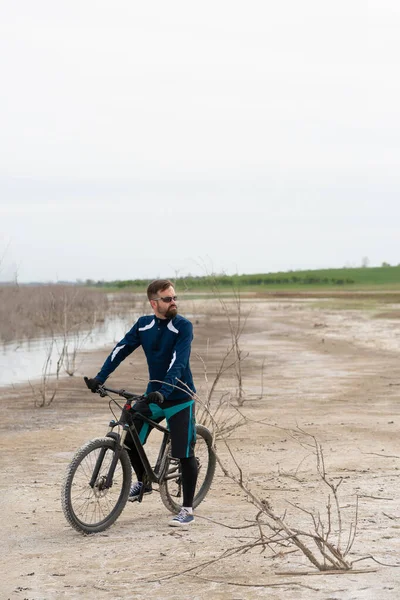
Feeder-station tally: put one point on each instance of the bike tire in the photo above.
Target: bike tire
(92, 510)
(171, 489)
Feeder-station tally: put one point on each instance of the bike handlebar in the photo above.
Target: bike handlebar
(102, 390)
(123, 393)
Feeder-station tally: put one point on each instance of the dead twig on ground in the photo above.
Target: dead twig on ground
(370, 557)
(381, 455)
(258, 585)
(306, 573)
(393, 517)
(373, 497)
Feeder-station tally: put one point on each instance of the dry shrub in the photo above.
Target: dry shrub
(27, 312)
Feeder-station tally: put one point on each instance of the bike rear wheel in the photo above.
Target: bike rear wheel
(93, 508)
(171, 486)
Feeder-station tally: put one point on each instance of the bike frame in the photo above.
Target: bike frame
(153, 475)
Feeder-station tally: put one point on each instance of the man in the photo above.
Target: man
(166, 339)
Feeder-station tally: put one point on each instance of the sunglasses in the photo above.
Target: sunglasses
(167, 299)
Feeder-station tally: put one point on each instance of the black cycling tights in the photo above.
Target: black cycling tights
(189, 475)
(189, 478)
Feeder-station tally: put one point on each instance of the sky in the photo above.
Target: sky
(156, 139)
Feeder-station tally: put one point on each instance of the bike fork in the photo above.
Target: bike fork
(119, 445)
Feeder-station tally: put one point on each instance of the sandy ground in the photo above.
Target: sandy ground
(333, 373)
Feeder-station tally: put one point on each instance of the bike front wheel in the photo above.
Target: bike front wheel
(171, 485)
(90, 500)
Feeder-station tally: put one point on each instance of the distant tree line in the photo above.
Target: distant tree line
(191, 282)
(385, 274)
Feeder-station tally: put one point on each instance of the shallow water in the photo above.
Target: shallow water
(25, 360)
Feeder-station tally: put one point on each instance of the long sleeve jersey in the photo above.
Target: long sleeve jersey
(166, 344)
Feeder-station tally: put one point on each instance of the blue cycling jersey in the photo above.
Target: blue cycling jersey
(166, 344)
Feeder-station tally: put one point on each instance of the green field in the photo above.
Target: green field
(350, 279)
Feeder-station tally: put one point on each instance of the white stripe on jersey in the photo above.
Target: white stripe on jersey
(149, 326)
(115, 352)
(172, 328)
(172, 361)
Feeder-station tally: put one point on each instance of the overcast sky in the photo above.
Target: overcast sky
(145, 139)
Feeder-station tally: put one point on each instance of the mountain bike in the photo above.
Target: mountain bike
(97, 482)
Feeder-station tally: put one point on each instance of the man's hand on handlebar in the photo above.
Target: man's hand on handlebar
(97, 386)
(155, 397)
(93, 384)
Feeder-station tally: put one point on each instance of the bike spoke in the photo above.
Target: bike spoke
(93, 505)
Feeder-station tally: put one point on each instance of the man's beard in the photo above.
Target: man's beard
(171, 312)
